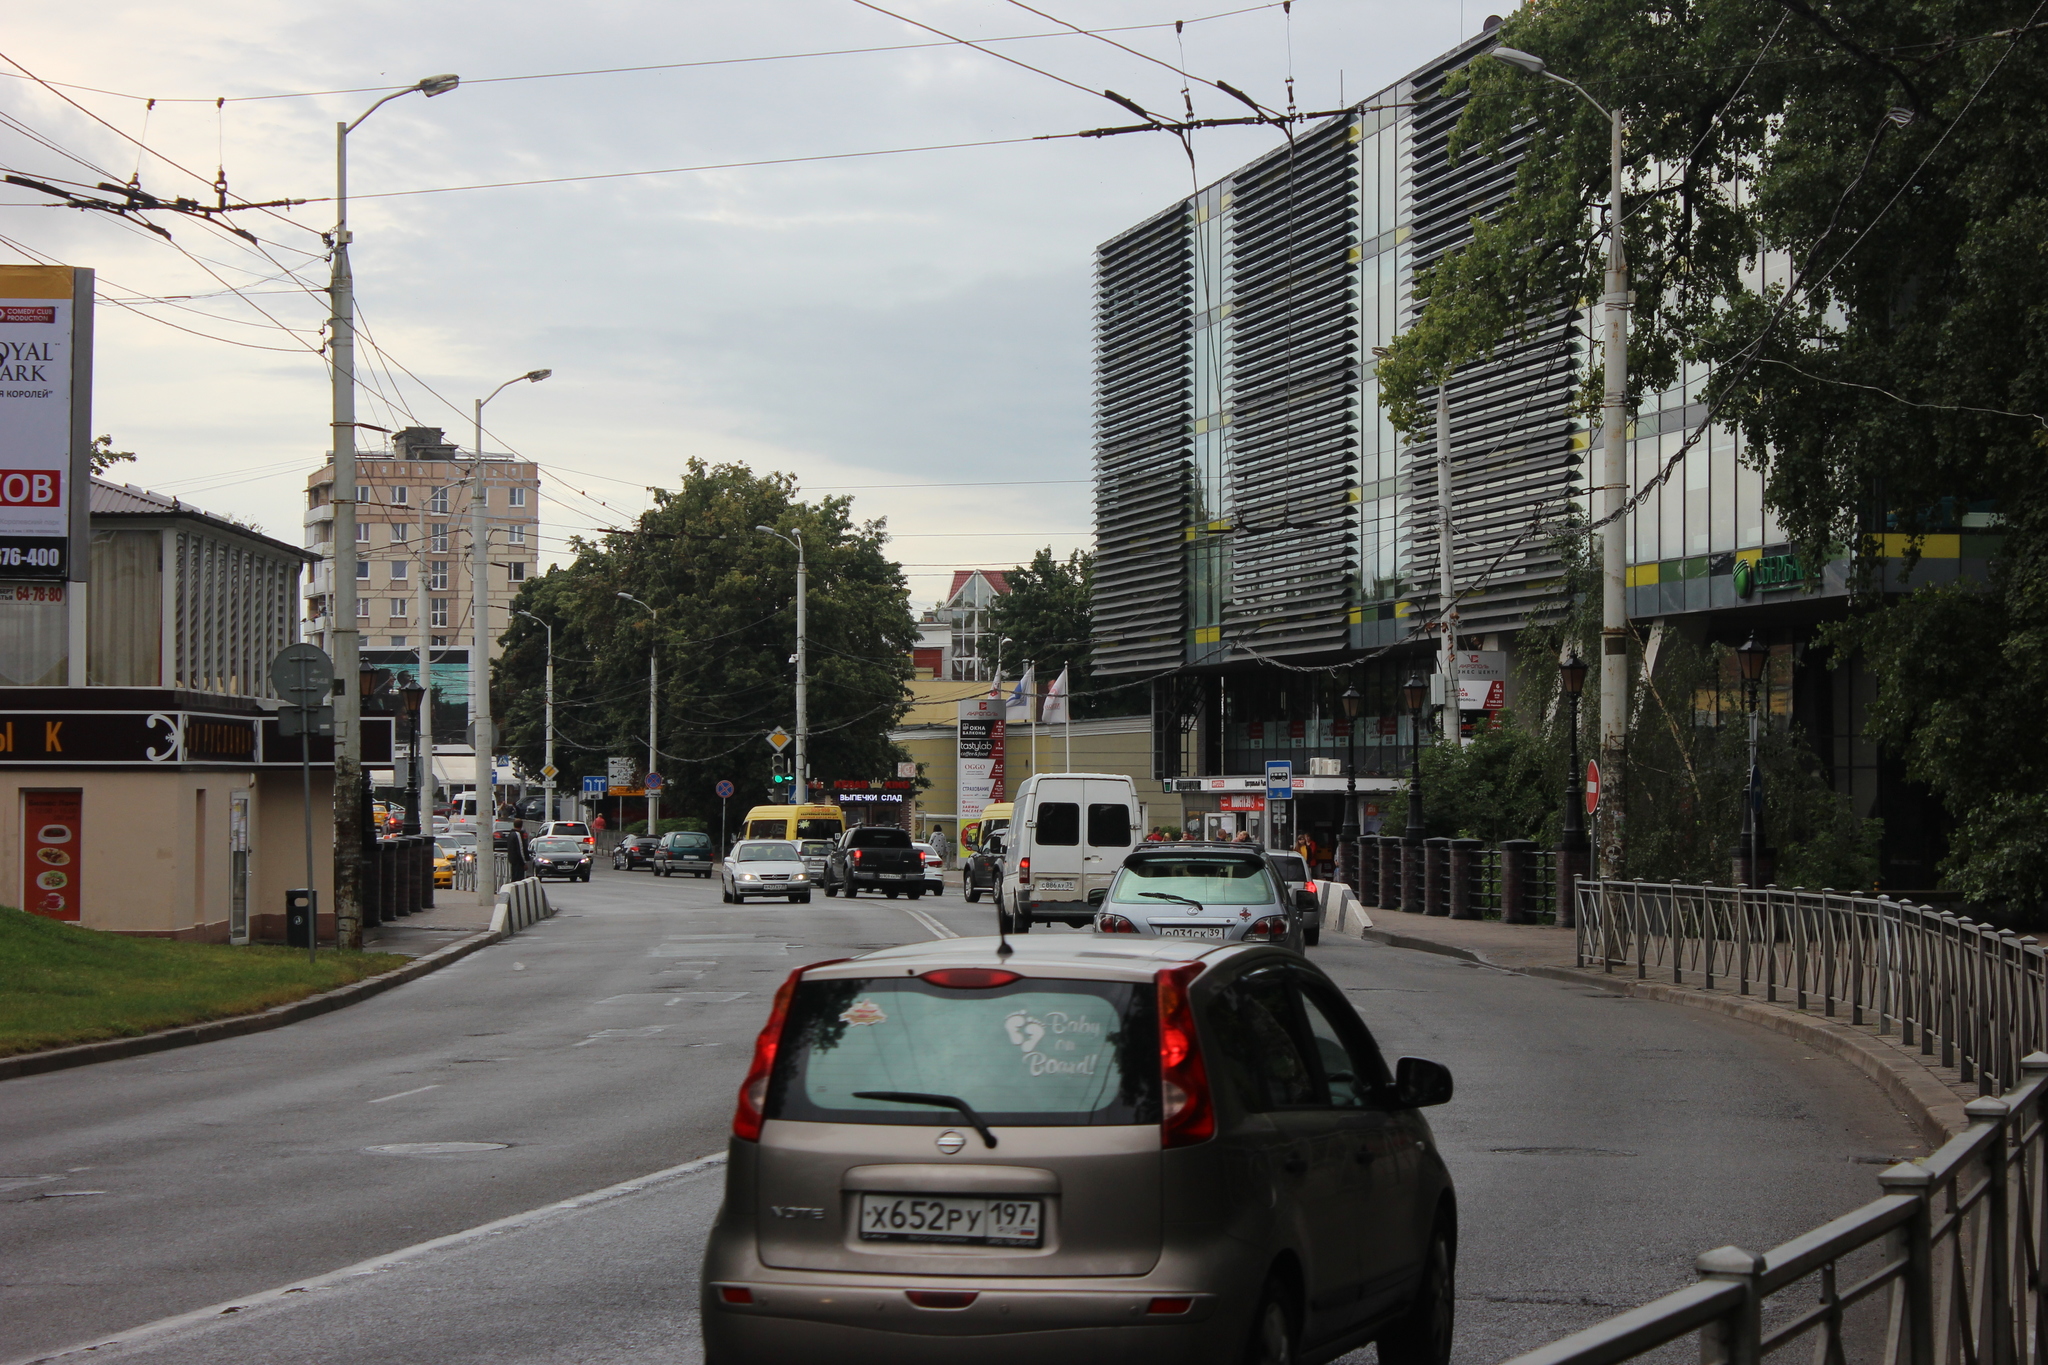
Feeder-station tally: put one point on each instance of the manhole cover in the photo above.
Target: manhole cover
(435, 1148)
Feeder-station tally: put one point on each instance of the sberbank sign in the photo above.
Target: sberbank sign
(1772, 573)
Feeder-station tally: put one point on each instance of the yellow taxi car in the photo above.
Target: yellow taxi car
(445, 849)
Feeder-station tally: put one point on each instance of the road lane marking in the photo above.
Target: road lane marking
(377, 1264)
(937, 929)
(403, 1093)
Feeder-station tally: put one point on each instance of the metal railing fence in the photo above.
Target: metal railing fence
(1974, 992)
(465, 871)
(1382, 865)
(1944, 1269)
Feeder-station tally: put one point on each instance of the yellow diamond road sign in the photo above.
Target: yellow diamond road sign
(779, 740)
(549, 771)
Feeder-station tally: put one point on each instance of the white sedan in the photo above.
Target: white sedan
(764, 867)
(934, 869)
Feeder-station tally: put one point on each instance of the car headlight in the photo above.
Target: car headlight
(798, 877)
(750, 877)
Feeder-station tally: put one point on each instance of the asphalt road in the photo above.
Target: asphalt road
(1598, 1143)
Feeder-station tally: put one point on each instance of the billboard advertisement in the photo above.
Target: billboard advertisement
(978, 766)
(45, 411)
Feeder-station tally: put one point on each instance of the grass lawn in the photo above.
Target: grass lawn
(60, 984)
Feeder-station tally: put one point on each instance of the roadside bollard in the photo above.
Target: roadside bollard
(1413, 879)
(1517, 859)
(1436, 876)
(1464, 879)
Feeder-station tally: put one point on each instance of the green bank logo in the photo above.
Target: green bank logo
(1772, 573)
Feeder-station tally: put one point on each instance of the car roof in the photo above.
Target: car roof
(1090, 956)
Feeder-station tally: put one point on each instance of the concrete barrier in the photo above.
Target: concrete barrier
(1342, 911)
(520, 904)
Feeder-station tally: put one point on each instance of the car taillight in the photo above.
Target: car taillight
(970, 978)
(1270, 929)
(747, 1119)
(1115, 924)
(1166, 1307)
(1309, 887)
(1186, 1114)
(735, 1293)
(1023, 872)
(856, 855)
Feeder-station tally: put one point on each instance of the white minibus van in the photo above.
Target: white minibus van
(1068, 835)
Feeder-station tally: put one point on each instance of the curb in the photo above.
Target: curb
(213, 1030)
(1932, 1107)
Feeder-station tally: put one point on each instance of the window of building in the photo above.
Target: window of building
(362, 608)
(437, 537)
(363, 493)
(515, 535)
(440, 640)
(437, 502)
(400, 495)
(398, 533)
(437, 608)
(398, 608)
(517, 497)
(363, 570)
(399, 571)
(437, 574)
(516, 571)
(398, 642)
(362, 533)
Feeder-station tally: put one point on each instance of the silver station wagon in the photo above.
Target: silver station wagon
(1085, 1150)
(1221, 893)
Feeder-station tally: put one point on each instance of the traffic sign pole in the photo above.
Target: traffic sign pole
(304, 676)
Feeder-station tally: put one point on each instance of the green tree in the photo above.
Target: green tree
(1840, 207)
(727, 597)
(1045, 617)
(105, 457)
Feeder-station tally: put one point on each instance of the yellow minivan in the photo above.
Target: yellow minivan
(993, 819)
(794, 822)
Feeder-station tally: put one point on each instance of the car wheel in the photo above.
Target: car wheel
(831, 891)
(723, 894)
(1271, 1341)
(972, 893)
(917, 894)
(1020, 923)
(890, 892)
(1312, 935)
(1423, 1335)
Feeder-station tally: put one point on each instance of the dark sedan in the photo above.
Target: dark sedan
(984, 870)
(635, 850)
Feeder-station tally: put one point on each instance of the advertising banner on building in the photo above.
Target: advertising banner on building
(1482, 679)
(978, 767)
(45, 391)
(50, 852)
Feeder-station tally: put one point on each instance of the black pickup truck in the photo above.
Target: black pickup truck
(874, 858)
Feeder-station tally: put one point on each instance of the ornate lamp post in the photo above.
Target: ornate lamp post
(1573, 849)
(1347, 836)
(1416, 693)
(1752, 658)
(412, 692)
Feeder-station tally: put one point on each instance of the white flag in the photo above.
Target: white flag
(1020, 704)
(1055, 708)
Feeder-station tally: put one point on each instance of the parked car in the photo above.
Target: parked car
(934, 869)
(447, 847)
(815, 853)
(1222, 893)
(1066, 836)
(874, 858)
(635, 850)
(1176, 1151)
(683, 850)
(984, 869)
(1301, 884)
(561, 856)
(764, 867)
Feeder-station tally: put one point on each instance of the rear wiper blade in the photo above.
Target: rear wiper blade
(1169, 896)
(965, 1109)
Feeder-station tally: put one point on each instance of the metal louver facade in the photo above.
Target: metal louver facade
(1143, 372)
(1516, 458)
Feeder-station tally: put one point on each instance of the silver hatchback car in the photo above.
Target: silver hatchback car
(1082, 1150)
(1220, 893)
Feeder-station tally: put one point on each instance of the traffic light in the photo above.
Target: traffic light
(779, 775)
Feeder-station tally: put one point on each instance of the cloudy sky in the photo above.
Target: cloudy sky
(911, 329)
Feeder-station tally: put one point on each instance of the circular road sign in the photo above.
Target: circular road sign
(652, 782)
(1592, 786)
(302, 674)
(724, 789)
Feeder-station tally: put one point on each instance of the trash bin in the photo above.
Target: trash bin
(298, 918)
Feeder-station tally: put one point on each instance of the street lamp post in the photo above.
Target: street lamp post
(480, 654)
(412, 692)
(653, 691)
(1416, 692)
(548, 776)
(1571, 845)
(1612, 485)
(344, 643)
(1347, 834)
(803, 713)
(1752, 657)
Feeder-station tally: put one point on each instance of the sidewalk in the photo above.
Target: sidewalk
(454, 916)
(1930, 1095)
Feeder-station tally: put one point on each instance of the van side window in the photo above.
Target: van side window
(1059, 822)
(1109, 825)
(767, 829)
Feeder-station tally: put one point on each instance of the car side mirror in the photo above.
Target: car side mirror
(1419, 1084)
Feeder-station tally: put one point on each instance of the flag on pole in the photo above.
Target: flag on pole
(1019, 706)
(995, 691)
(1055, 709)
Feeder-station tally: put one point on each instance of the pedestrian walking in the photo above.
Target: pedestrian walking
(597, 824)
(515, 852)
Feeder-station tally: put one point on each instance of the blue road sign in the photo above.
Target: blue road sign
(594, 786)
(724, 789)
(1279, 779)
(653, 782)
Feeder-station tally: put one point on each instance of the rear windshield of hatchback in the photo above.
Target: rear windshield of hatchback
(1034, 1053)
(555, 846)
(1210, 880)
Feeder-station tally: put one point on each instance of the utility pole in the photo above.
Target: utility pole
(344, 641)
(653, 691)
(480, 656)
(795, 538)
(547, 778)
(1447, 579)
(421, 619)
